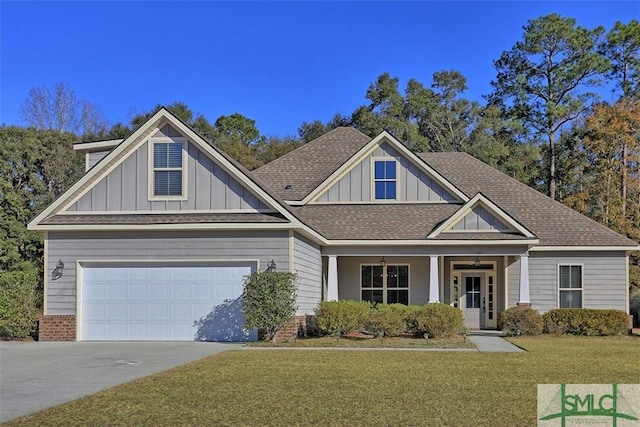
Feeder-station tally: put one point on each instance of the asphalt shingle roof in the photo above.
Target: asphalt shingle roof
(304, 168)
(552, 222)
(375, 222)
(147, 219)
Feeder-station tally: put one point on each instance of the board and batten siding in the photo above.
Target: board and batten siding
(479, 219)
(413, 183)
(307, 264)
(154, 246)
(604, 279)
(349, 276)
(126, 188)
(94, 157)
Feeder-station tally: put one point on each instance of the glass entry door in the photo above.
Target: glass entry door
(472, 300)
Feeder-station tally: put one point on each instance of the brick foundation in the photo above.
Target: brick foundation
(295, 327)
(56, 327)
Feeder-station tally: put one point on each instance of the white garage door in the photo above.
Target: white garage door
(164, 303)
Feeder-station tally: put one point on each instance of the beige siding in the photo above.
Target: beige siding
(413, 183)
(307, 263)
(604, 279)
(349, 279)
(154, 246)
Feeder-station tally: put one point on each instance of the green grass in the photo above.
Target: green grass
(371, 342)
(349, 388)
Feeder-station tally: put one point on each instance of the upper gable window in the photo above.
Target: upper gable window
(384, 177)
(168, 169)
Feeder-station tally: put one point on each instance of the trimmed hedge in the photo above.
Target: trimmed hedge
(386, 320)
(338, 318)
(520, 321)
(438, 320)
(583, 321)
(18, 303)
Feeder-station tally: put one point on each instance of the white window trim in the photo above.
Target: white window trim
(150, 169)
(581, 288)
(384, 280)
(373, 178)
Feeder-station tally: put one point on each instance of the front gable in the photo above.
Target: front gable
(129, 187)
(480, 215)
(123, 182)
(385, 171)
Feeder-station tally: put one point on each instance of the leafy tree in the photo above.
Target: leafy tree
(18, 303)
(622, 48)
(238, 127)
(270, 148)
(59, 109)
(544, 77)
(269, 301)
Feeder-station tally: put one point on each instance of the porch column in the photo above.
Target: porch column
(332, 279)
(434, 281)
(524, 280)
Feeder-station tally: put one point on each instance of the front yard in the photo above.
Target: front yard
(282, 387)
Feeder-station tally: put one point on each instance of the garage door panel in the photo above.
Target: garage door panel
(163, 303)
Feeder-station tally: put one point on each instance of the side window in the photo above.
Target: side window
(384, 177)
(570, 286)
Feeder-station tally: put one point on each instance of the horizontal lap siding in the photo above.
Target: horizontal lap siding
(604, 275)
(153, 246)
(349, 280)
(307, 263)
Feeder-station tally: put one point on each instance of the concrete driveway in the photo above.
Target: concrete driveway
(37, 375)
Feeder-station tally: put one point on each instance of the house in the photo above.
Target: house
(153, 241)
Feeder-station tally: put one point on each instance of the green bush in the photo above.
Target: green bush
(520, 321)
(18, 303)
(634, 305)
(269, 301)
(338, 318)
(438, 320)
(582, 321)
(386, 320)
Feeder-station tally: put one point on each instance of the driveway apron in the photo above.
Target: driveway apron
(37, 375)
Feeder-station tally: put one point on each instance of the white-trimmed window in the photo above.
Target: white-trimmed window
(386, 284)
(570, 286)
(168, 169)
(384, 179)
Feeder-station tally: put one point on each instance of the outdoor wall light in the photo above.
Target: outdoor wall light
(271, 265)
(57, 272)
(477, 263)
(383, 262)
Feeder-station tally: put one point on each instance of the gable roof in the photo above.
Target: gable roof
(308, 166)
(495, 210)
(552, 222)
(49, 218)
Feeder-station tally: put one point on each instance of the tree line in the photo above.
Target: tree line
(544, 123)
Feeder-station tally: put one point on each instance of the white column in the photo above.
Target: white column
(434, 279)
(332, 279)
(524, 280)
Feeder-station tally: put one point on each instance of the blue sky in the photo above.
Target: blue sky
(279, 63)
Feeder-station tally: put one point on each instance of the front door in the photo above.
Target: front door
(471, 300)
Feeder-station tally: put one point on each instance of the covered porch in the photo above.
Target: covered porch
(480, 281)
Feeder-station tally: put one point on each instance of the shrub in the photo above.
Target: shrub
(385, 320)
(520, 321)
(582, 321)
(269, 301)
(18, 303)
(634, 305)
(338, 318)
(438, 320)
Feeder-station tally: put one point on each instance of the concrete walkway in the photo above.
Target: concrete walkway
(492, 342)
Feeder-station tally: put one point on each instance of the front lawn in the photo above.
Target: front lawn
(362, 341)
(282, 387)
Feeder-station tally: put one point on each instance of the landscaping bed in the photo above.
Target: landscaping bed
(360, 340)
